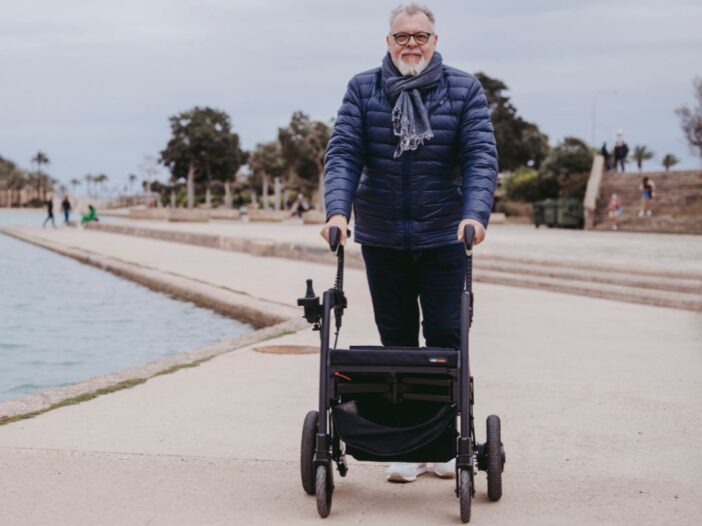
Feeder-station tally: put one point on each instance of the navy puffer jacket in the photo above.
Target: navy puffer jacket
(415, 201)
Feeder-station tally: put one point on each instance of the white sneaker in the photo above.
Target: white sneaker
(445, 470)
(405, 471)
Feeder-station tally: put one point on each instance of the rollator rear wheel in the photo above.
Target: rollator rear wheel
(464, 494)
(307, 448)
(494, 458)
(324, 488)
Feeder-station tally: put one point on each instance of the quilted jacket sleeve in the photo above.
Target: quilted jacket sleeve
(478, 156)
(345, 155)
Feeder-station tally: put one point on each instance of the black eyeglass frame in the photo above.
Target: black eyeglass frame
(410, 36)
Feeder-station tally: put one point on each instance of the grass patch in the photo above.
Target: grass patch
(182, 366)
(126, 384)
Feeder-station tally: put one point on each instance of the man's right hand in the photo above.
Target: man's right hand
(339, 221)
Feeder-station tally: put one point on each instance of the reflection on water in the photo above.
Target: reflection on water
(62, 321)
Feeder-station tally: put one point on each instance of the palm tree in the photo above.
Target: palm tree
(132, 178)
(669, 160)
(641, 154)
(33, 184)
(41, 158)
(12, 180)
(89, 178)
(101, 179)
(7, 169)
(74, 183)
(17, 182)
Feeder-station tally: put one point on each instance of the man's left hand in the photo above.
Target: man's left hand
(479, 235)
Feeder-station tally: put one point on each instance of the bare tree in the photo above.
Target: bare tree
(691, 119)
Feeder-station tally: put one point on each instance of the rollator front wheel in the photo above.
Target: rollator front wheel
(465, 494)
(307, 448)
(324, 487)
(495, 459)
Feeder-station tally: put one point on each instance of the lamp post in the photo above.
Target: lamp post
(594, 111)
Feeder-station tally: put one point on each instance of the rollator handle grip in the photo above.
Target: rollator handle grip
(468, 235)
(334, 237)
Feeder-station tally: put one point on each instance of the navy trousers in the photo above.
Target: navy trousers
(398, 278)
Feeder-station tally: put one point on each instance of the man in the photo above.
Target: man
(49, 203)
(413, 151)
(621, 151)
(66, 207)
(604, 152)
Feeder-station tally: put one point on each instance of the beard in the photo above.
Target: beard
(410, 70)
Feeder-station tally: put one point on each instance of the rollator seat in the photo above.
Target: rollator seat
(394, 356)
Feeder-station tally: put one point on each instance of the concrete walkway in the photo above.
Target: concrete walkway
(600, 402)
(660, 270)
(668, 253)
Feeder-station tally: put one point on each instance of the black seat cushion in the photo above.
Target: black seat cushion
(395, 356)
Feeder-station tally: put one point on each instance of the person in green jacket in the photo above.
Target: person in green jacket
(90, 216)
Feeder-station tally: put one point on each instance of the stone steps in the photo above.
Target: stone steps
(677, 206)
(619, 292)
(589, 275)
(587, 278)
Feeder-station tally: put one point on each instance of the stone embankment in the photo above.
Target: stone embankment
(589, 276)
(270, 319)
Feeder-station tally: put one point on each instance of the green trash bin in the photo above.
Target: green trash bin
(570, 213)
(550, 212)
(537, 213)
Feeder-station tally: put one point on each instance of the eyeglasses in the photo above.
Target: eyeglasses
(421, 38)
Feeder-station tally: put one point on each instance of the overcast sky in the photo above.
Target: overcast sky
(92, 83)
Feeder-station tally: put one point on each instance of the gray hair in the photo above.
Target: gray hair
(411, 9)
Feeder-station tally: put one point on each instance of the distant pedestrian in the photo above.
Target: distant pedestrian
(648, 192)
(299, 206)
(238, 201)
(607, 156)
(615, 210)
(621, 152)
(90, 216)
(49, 203)
(66, 207)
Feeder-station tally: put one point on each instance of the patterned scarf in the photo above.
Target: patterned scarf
(410, 120)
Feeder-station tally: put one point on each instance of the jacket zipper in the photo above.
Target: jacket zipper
(406, 205)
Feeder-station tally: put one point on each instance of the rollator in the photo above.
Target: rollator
(394, 404)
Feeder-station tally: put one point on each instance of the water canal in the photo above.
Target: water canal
(62, 321)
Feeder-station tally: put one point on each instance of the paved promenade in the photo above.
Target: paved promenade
(674, 254)
(600, 402)
(660, 270)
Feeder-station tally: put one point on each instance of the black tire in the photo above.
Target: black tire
(324, 487)
(307, 448)
(494, 458)
(464, 494)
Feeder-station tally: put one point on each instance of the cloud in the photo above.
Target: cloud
(93, 83)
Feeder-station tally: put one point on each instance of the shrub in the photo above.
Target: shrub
(523, 185)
